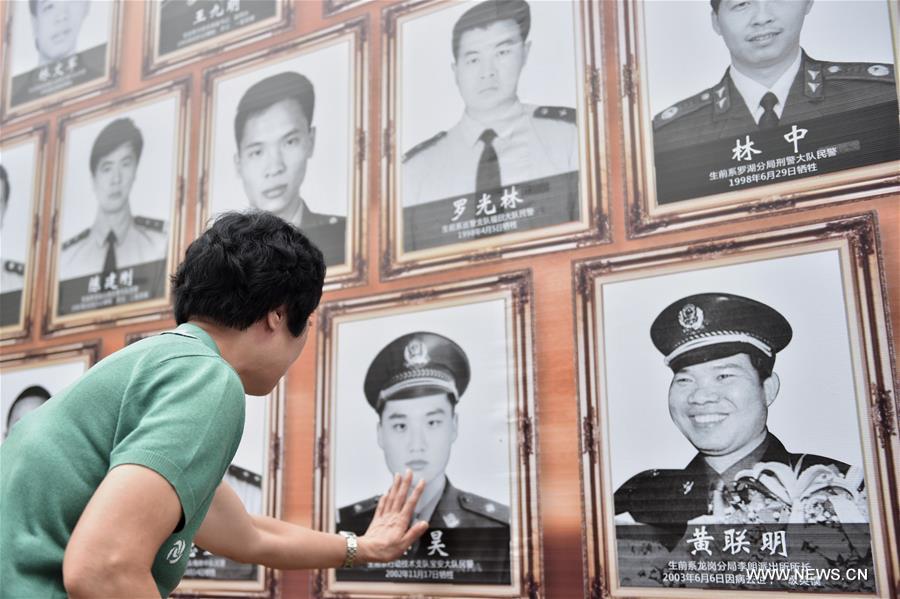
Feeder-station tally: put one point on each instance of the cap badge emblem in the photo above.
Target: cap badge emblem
(878, 70)
(690, 317)
(416, 354)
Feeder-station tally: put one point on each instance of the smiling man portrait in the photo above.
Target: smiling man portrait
(721, 349)
(771, 80)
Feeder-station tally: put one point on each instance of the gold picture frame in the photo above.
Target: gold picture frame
(846, 283)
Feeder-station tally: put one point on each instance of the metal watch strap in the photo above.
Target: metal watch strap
(352, 546)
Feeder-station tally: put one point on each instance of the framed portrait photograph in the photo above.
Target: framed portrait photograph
(29, 379)
(407, 381)
(21, 192)
(493, 140)
(760, 107)
(56, 51)
(761, 367)
(330, 7)
(179, 31)
(284, 131)
(118, 208)
(255, 474)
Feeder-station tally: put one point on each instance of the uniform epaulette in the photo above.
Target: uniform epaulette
(557, 113)
(484, 507)
(70, 242)
(14, 267)
(424, 145)
(685, 107)
(246, 476)
(360, 507)
(860, 71)
(150, 223)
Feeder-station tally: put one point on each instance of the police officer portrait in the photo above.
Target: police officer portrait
(282, 140)
(57, 46)
(487, 123)
(27, 385)
(181, 29)
(117, 198)
(767, 92)
(19, 195)
(424, 391)
(743, 376)
(250, 475)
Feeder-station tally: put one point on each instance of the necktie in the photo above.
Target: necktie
(488, 176)
(109, 264)
(769, 119)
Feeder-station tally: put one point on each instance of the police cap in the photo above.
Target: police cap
(708, 326)
(415, 365)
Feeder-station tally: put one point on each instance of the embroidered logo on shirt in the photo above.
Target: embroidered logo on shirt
(176, 551)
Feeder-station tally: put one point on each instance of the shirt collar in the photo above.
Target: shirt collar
(472, 129)
(191, 330)
(752, 92)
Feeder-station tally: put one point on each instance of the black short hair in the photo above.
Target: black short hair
(32, 391)
(116, 133)
(4, 180)
(271, 90)
(485, 13)
(715, 5)
(246, 265)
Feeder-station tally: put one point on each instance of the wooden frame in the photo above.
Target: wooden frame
(508, 298)
(850, 246)
(588, 227)
(750, 199)
(62, 70)
(156, 62)
(352, 37)
(20, 329)
(156, 305)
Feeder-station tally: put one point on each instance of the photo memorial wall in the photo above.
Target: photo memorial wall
(613, 278)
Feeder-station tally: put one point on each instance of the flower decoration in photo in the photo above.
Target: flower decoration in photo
(775, 492)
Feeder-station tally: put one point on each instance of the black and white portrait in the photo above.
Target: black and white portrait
(57, 48)
(117, 198)
(282, 140)
(487, 121)
(184, 29)
(19, 195)
(27, 387)
(248, 476)
(743, 374)
(766, 92)
(423, 390)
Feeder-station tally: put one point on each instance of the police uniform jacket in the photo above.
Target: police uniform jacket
(12, 276)
(668, 499)
(326, 231)
(144, 240)
(819, 89)
(473, 527)
(533, 142)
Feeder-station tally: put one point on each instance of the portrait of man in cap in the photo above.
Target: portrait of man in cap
(721, 349)
(414, 384)
(275, 137)
(788, 100)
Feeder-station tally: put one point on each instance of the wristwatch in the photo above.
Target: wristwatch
(352, 546)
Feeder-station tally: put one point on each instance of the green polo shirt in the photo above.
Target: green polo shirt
(169, 403)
